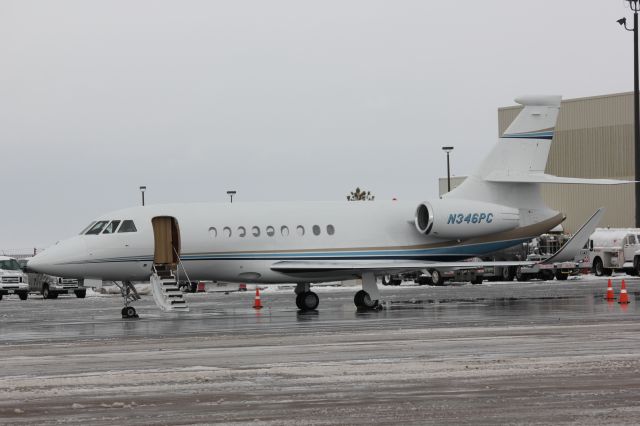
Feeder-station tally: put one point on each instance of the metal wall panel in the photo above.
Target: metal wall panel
(593, 139)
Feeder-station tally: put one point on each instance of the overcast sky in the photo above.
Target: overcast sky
(279, 100)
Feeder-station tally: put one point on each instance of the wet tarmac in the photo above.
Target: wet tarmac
(515, 353)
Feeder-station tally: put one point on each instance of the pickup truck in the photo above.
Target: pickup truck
(12, 279)
(50, 286)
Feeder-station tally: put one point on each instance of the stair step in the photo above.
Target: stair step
(178, 302)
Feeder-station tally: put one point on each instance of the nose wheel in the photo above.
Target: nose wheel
(129, 312)
(129, 295)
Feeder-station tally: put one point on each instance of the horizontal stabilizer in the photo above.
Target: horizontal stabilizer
(545, 178)
(571, 248)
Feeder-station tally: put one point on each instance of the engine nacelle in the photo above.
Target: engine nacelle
(462, 219)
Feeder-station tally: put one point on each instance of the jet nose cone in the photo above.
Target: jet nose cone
(59, 259)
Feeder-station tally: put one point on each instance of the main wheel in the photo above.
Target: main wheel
(307, 301)
(362, 300)
(436, 277)
(23, 295)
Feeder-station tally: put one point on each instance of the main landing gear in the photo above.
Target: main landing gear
(306, 300)
(369, 297)
(130, 295)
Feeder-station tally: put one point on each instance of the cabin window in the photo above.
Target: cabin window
(242, 231)
(87, 228)
(226, 231)
(331, 230)
(213, 232)
(95, 229)
(255, 231)
(316, 230)
(300, 230)
(284, 231)
(270, 231)
(127, 226)
(111, 227)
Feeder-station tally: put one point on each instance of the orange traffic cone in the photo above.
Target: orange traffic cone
(610, 296)
(624, 297)
(257, 304)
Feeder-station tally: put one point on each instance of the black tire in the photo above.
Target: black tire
(636, 265)
(547, 275)
(0, 297)
(561, 276)
(307, 301)
(80, 294)
(508, 273)
(23, 295)
(46, 294)
(477, 280)
(520, 276)
(436, 277)
(598, 268)
(129, 312)
(362, 300)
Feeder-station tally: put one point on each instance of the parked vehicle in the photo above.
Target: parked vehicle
(50, 286)
(614, 249)
(12, 279)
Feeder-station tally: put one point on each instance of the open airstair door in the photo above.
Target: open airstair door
(166, 257)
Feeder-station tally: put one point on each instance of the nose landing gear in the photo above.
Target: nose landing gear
(130, 295)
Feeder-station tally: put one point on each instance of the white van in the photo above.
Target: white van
(12, 279)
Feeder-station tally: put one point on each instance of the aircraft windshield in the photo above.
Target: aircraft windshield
(87, 228)
(95, 229)
(127, 226)
(9, 265)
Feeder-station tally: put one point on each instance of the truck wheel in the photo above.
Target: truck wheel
(547, 274)
(598, 268)
(561, 276)
(508, 273)
(477, 280)
(520, 276)
(436, 277)
(23, 295)
(45, 292)
(80, 294)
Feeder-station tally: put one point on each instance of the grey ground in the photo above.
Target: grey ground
(515, 353)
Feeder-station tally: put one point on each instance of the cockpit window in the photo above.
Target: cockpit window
(95, 229)
(127, 226)
(87, 228)
(111, 227)
(9, 265)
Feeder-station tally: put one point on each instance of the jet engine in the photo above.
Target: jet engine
(461, 219)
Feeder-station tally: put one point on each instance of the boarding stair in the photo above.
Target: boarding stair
(166, 292)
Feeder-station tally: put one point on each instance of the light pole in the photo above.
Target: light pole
(231, 194)
(142, 189)
(634, 5)
(448, 149)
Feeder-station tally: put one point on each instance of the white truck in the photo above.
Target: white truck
(614, 249)
(12, 279)
(50, 286)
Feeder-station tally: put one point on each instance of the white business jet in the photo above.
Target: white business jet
(496, 207)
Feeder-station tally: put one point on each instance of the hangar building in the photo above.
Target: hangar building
(593, 139)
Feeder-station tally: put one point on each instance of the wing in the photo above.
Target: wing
(399, 266)
(545, 178)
